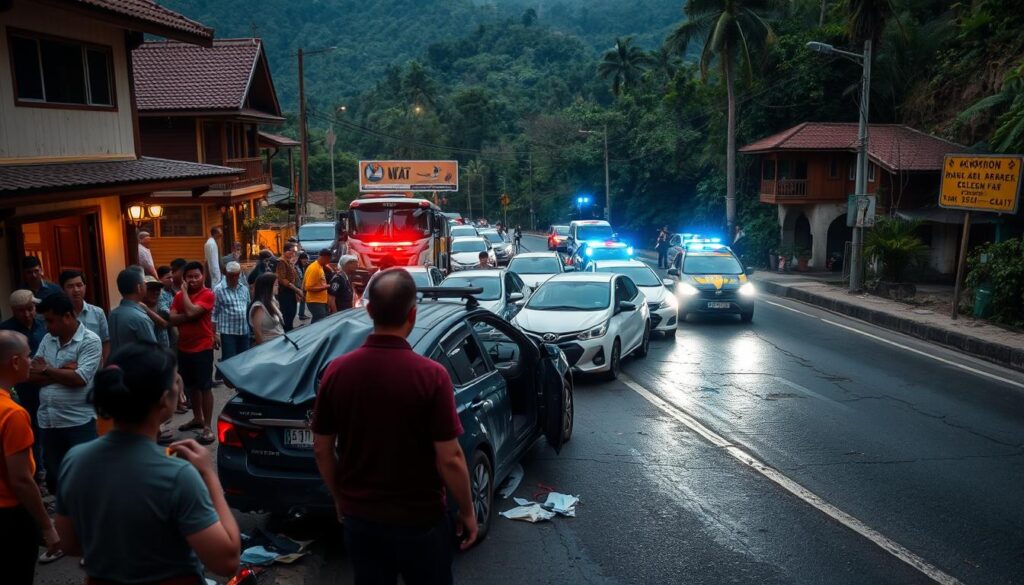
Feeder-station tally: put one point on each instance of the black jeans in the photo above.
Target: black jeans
(663, 257)
(28, 398)
(381, 552)
(289, 307)
(19, 545)
(57, 443)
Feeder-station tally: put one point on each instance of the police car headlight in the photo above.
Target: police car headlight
(687, 290)
(748, 290)
(593, 333)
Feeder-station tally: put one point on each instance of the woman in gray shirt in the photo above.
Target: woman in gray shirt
(135, 513)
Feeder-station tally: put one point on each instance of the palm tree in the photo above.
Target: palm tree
(866, 19)
(665, 61)
(1009, 133)
(475, 170)
(624, 63)
(729, 31)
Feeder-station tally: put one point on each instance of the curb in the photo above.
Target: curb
(997, 353)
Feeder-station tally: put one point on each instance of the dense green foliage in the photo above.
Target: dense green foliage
(895, 245)
(510, 84)
(1003, 273)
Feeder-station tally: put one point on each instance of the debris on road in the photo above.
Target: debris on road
(263, 548)
(556, 504)
(561, 504)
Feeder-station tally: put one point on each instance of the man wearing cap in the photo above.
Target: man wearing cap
(230, 314)
(340, 290)
(129, 321)
(145, 256)
(33, 278)
(93, 317)
(315, 284)
(32, 326)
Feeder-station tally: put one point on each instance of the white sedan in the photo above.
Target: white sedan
(659, 292)
(465, 253)
(596, 318)
(535, 268)
(503, 292)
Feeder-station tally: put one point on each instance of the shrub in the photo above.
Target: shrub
(1004, 272)
(894, 243)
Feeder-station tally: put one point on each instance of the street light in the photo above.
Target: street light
(860, 187)
(303, 132)
(607, 190)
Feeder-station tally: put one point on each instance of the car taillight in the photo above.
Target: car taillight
(230, 432)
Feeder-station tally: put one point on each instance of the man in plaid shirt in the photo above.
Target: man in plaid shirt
(230, 319)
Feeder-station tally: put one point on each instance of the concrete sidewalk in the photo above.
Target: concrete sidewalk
(966, 334)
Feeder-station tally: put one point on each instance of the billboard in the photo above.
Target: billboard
(981, 183)
(408, 175)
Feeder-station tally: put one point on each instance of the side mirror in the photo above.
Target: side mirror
(668, 282)
(626, 306)
(516, 297)
(673, 272)
(749, 271)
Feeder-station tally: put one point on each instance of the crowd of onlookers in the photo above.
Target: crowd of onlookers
(65, 365)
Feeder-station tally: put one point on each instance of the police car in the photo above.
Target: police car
(589, 252)
(584, 231)
(711, 280)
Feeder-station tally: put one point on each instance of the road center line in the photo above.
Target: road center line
(885, 543)
(964, 367)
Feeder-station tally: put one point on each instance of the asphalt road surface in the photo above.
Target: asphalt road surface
(801, 448)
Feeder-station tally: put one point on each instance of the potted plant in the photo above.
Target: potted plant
(895, 245)
(803, 256)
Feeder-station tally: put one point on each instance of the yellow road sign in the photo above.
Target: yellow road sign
(981, 183)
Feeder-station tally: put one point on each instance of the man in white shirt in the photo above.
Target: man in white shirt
(212, 254)
(145, 256)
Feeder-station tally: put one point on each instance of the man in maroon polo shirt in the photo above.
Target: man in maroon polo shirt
(385, 435)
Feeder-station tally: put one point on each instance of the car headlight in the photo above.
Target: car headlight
(687, 290)
(748, 290)
(593, 333)
(667, 303)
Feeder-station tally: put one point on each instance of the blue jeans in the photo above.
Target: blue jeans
(232, 345)
(381, 552)
(57, 443)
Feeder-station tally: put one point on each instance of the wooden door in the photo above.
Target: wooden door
(68, 242)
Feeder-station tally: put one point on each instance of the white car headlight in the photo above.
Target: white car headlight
(593, 333)
(669, 302)
(748, 290)
(687, 290)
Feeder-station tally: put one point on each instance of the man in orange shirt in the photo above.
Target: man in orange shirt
(22, 513)
(315, 285)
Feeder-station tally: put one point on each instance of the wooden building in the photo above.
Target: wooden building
(206, 105)
(71, 162)
(809, 170)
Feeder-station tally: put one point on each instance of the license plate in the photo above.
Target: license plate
(718, 305)
(298, 438)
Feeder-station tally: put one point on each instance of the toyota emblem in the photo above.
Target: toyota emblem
(550, 337)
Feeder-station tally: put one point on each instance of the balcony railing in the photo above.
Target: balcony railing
(254, 173)
(783, 189)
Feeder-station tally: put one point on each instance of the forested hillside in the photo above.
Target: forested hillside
(506, 87)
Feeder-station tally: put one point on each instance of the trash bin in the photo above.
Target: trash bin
(983, 301)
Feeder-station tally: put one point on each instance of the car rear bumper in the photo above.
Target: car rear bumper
(265, 490)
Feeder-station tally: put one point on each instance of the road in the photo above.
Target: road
(801, 448)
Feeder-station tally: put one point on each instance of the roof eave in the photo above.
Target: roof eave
(245, 116)
(204, 39)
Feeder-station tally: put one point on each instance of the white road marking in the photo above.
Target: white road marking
(964, 367)
(807, 496)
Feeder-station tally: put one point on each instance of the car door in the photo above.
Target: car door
(625, 321)
(435, 276)
(481, 394)
(633, 295)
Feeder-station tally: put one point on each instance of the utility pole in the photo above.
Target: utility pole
(860, 187)
(533, 214)
(300, 199)
(607, 182)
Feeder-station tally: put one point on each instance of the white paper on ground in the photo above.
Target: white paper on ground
(513, 481)
(563, 504)
(529, 513)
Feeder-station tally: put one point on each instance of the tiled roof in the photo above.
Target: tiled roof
(24, 179)
(149, 12)
(277, 140)
(892, 146)
(176, 76)
(324, 199)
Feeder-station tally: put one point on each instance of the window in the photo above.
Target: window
(65, 72)
(784, 169)
(833, 168)
(504, 351)
(768, 170)
(851, 173)
(631, 290)
(872, 171)
(439, 357)
(182, 221)
(621, 293)
(467, 361)
(800, 169)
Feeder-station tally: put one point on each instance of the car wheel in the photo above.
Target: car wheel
(615, 363)
(568, 414)
(482, 486)
(645, 342)
(747, 316)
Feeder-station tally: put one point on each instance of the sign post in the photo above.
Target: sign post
(504, 206)
(978, 183)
